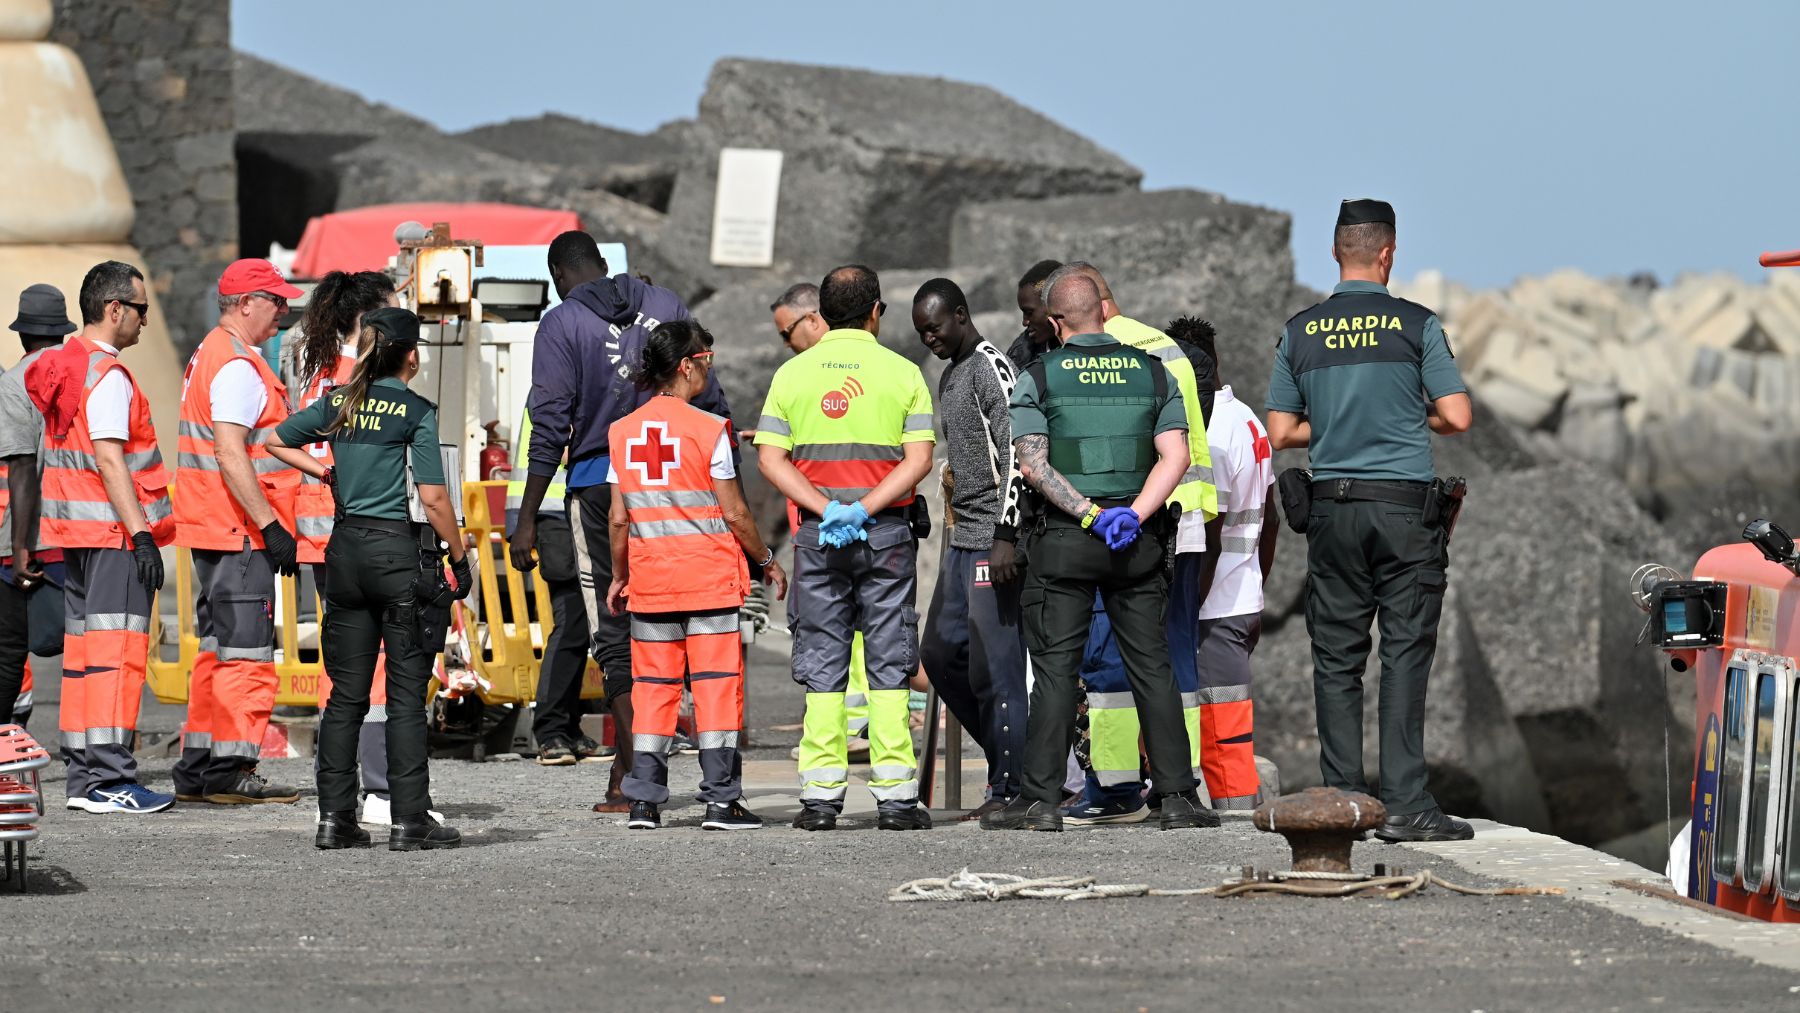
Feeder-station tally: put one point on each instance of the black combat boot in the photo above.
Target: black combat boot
(419, 832)
(340, 830)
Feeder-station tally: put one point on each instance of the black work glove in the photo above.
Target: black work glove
(280, 547)
(465, 576)
(149, 562)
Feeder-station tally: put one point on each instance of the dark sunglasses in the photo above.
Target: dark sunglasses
(142, 308)
(787, 336)
(704, 358)
(280, 302)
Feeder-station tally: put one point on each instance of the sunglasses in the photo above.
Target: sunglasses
(280, 303)
(704, 358)
(787, 335)
(142, 308)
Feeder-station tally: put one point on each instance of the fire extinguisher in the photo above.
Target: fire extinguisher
(496, 463)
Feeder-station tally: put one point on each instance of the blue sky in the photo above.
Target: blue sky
(1513, 138)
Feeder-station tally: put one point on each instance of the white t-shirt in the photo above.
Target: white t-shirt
(238, 394)
(1244, 469)
(722, 466)
(109, 403)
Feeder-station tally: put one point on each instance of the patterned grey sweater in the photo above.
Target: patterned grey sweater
(977, 438)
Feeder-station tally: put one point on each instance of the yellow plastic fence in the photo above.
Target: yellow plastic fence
(506, 654)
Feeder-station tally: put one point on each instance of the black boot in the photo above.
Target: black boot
(1025, 814)
(340, 830)
(1183, 811)
(419, 832)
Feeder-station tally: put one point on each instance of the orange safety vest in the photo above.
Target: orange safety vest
(314, 507)
(207, 516)
(683, 557)
(76, 512)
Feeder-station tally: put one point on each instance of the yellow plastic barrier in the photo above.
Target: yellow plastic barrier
(506, 654)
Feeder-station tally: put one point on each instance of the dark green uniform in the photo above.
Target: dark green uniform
(374, 557)
(1363, 367)
(1100, 403)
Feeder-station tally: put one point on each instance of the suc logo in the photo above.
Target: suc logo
(836, 404)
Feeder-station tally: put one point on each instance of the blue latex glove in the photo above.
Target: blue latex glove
(843, 523)
(1117, 526)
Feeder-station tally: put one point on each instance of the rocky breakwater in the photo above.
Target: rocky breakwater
(1684, 391)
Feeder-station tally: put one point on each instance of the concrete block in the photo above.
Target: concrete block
(1729, 327)
(876, 164)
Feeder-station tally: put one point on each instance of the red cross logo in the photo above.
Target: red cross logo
(653, 455)
(1261, 441)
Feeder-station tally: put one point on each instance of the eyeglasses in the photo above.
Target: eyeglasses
(142, 308)
(281, 304)
(704, 358)
(880, 308)
(787, 335)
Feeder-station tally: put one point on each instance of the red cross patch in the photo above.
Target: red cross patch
(653, 455)
(1263, 452)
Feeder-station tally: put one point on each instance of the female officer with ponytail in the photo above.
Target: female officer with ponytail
(379, 430)
(680, 536)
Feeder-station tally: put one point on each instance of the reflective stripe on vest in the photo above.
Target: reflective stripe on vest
(207, 515)
(1101, 402)
(683, 556)
(515, 486)
(76, 513)
(314, 507)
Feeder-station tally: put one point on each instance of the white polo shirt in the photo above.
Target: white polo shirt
(1244, 469)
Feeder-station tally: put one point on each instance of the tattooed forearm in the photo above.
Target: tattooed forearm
(1034, 462)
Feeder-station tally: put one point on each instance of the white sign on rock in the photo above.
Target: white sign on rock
(743, 233)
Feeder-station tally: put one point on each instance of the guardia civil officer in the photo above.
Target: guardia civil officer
(1362, 380)
(1101, 432)
(381, 577)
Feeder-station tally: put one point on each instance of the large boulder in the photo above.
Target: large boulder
(876, 164)
(1165, 253)
(638, 167)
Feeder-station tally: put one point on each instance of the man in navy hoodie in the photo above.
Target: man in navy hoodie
(581, 383)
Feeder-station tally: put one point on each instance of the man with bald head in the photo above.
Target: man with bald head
(1101, 433)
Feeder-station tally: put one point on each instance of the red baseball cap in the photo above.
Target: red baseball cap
(255, 275)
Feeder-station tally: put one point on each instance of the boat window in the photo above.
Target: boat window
(1790, 855)
(1731, 776)
(1762, 757)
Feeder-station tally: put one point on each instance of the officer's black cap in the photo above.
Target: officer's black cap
(1363, 211)
(394, 325)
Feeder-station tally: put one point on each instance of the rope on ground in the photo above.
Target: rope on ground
(966, 885)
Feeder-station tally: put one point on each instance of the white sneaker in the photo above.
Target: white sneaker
(379, 812)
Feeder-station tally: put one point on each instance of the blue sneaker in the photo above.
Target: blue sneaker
(1127, 810)
(127, 798)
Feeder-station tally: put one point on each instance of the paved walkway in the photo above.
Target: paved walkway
(552, 907)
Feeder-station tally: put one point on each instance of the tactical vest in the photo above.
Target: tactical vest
(1356, 327)
(1101, 403)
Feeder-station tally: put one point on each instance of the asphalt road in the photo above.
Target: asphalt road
(550, 907)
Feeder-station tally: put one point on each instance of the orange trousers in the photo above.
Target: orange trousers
(106, 649)
(231, 690)
(703, 650)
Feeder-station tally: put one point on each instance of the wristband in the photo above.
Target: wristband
(1087, 519)
(768, 556)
